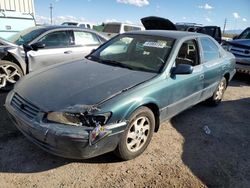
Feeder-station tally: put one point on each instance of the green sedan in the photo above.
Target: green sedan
(116, 98)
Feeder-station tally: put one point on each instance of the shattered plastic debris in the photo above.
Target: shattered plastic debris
(207, 130)
(97, 134)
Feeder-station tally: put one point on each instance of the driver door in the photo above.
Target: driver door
(184, 90)
(57, 50)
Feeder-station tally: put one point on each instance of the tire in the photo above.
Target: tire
(10, 73)
(134, 141)
(218, 94)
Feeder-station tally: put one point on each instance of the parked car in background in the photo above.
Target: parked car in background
(85, 25)
(240, 47)
(114, 28)
(114, 100)
(10, 22)
(42, 46)
(165, 24)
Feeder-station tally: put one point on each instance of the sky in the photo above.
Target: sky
(206, 12)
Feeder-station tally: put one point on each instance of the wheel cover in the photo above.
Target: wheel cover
(8, 75)
(220, 91)
(138, 133)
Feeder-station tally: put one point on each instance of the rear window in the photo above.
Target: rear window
(112, 28)
(131, 28)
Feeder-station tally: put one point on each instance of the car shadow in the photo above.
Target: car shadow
(240, 78)
(216, 142)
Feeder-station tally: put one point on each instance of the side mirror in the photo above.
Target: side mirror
(38, 45)
(182, 69)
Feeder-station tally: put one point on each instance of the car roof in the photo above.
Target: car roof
(58, 27)
(51, 27)
(168, 34)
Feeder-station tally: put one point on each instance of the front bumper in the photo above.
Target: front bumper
(242, 64)
(63, 140)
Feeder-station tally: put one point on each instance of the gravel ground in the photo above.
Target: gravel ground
(181, 154)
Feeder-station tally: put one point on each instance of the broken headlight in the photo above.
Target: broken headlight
(78, 119)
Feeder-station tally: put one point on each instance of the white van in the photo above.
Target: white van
(85, 25)
(113, 28)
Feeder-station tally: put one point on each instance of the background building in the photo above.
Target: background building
(23, 6)
(15, 16)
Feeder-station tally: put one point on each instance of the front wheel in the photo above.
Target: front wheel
(10, 73)
(218, 94)
(137, 135)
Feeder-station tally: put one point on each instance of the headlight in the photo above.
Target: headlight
(78, 119)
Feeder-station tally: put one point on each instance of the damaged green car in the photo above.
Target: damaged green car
(117, 97)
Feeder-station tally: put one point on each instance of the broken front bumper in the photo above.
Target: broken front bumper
(64, 140)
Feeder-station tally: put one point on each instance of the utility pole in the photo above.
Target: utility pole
(51, 9)
(225, 23)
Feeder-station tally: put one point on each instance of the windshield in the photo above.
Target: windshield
(136, 52)
(112, 28)
(26, 36)
(69, 23)
(245, 34)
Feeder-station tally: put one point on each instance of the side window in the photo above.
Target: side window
(210, 50)
(188, 54)
(85, 38)
(131, 28)
(82, 26)
(56, 39)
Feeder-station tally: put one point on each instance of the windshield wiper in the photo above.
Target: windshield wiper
(116, 63)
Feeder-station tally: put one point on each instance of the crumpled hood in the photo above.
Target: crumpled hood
(77, 83)
(240, 42)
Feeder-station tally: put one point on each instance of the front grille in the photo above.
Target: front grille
(24, 106)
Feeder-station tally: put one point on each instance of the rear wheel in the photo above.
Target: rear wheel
(218, 94)
(138, 134)
(10, 73)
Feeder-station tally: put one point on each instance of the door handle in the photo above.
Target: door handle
(68, 52)
(202, 77)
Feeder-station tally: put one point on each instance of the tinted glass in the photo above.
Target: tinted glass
(70, 23)
(26, 36)
(112, 28)
(245, 34)
(85, 38)
(210, 49)
(131, 28)
(142, 53)
(56, 39)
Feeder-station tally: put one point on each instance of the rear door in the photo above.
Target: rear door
(212, 64)
(83, 43)
(56, 50)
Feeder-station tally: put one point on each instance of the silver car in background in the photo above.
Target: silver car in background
(41, 46)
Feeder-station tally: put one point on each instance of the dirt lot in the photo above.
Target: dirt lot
(180, 154)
